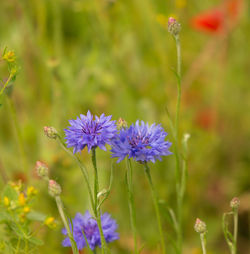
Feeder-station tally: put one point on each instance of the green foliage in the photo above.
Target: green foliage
(17, 218)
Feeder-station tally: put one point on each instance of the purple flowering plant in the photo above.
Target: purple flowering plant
(141, 142)
(85, 228)
(89, 131)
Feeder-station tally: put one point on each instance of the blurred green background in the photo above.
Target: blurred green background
(117, 57)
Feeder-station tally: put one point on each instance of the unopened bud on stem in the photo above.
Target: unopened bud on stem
(50, 132)
(235, 203)
(174, 27)
(121, 123)
(42, 170)
(54, 188)
(200, 226)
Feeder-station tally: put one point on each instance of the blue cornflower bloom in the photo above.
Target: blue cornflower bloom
(90, 132)
(141, 142)
(87, 225)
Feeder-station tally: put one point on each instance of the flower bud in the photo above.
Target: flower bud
(174, 27)
(50, 132)
(121, 123)
(42, 170)
(235, 202)
(102, 193)
(200, 226)
(50, 222)
(6, 201)
(54, 188)
(9, 56)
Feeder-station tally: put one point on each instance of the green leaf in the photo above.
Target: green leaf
(4, 217)
(35, 241)
(10, 193)
(36, 216)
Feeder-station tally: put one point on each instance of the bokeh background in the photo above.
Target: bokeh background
(117, 57)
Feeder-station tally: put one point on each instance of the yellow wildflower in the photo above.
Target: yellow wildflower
(21, 199)
(26, 209)
(31, 191)
(9, 56)
(6, 201)
(17, 186)
(50, 222)
(22, 217)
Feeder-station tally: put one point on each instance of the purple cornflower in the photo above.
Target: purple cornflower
(87, 225)
(141, 142)
(85, 131)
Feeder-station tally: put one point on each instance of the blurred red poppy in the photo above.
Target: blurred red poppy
(205, 119)
(218, 19)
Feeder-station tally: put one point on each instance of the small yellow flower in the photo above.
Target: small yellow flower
(50, 222)
(17, 186)
(26, 209)
(6, 201)
(9, 56)
(21, 199)
(22, 217)
(31, 191)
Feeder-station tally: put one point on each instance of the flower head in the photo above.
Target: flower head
(174, 27)
(54, 188)
(90, 132)
(200, 226)
(141, 142)
(235, 203)
(87, 225)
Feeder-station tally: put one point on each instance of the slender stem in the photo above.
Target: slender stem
(178, 49)
(6, 83)
(97, 208)
(156, 206)
(129, 181)
(96, 182)
(203, 243)
(235, 230)
(18, 245)
(82, 167)
(179, 175)
(16, 124)
(66, 224)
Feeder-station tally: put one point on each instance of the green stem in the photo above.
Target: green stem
(66, 224)
(129, 181)
(18, 245)
(82, 167)
(179, 174)
(156, 206)
(96, 207)
(6, 83)
(18, 132)
(235, 230)
(203, 243)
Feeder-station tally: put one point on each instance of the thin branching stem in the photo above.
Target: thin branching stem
(96, 204)
(129, 182)
(156, 206)
(66, 224)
